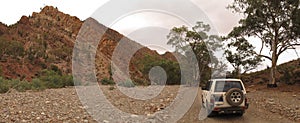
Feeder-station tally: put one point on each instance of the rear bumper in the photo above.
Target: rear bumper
(229, 110)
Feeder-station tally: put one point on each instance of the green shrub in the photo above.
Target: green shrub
(67, 80)
(37, 84)
(106, 81)
(127, 83)
(4, 85)
(55, 69)
(47, 79)
(1, 71)
(19, 85)
(16, 84)
(53, 79)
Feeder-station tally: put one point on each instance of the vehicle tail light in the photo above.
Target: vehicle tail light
(246, 100)
(216, 109)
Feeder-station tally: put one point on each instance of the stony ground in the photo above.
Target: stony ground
(283, 103)
(53, 105)
(63, 105)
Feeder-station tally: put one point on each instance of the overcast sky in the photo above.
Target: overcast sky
(222, 20)
(12, 10)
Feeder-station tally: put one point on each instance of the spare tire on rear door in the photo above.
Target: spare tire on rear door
(234, 96)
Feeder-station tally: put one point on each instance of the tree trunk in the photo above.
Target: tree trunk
(272, 80)
(239, 74)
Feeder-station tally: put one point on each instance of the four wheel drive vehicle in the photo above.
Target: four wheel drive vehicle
(224, 96)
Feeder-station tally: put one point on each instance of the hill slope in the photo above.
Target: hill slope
(287, 74)
(46, 39)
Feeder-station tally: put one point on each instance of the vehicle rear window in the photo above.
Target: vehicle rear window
(224, 86)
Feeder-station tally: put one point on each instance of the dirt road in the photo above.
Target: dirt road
(253, 115)
(63, 105)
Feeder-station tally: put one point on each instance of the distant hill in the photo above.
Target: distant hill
(287, 74)
(46, 39)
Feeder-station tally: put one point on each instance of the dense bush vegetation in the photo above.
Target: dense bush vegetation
(171, 68)
(54, 79)
(19, 85)
(46, 79)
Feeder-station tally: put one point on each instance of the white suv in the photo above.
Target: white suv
(224, 96)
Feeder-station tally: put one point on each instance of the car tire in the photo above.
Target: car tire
(240, 114)
(212, 114)
(234, 96)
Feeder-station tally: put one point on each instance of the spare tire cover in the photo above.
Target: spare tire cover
(234, 96)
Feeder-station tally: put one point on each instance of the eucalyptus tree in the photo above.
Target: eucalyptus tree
(201, 44)
(275, 22)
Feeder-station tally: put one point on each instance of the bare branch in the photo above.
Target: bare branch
(262, 47)
(267, 57)
(290, 46)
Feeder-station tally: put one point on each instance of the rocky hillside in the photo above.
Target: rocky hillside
(40, 41)
(287, 74)
(46, 39)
